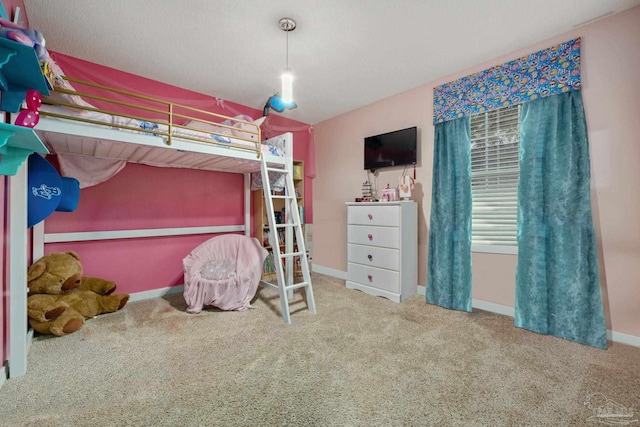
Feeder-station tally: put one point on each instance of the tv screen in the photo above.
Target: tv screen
(396, 148)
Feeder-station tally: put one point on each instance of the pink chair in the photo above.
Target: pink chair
(223, 272)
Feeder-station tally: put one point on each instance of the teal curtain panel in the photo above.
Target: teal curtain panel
(449, 260)
(557, 277)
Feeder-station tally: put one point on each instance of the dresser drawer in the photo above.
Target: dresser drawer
(374, 257)
(374, 215)
(375, 277)
(388, 237)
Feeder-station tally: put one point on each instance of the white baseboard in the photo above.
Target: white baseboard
(3, 376)
(30, 333)
(338, 274)
(621, 338)
(617, 337)
(156, 293)
(493, 307)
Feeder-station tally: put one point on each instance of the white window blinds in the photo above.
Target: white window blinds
(495, 141)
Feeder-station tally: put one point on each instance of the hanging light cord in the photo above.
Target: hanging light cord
(287, 48)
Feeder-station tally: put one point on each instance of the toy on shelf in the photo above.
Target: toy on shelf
(26, 36)
(30, 116)
(22, 50)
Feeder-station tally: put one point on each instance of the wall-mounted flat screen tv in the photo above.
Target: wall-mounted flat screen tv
(398, 148)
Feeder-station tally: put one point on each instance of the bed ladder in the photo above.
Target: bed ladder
(292, 222)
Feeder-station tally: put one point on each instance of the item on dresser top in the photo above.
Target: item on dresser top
(367, 193)
(407, 184)
(390, 194)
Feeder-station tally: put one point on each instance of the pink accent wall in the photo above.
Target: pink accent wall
(146, 197)
(611, 92)
(143, 196)
(135, 265)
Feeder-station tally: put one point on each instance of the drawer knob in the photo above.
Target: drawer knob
(370, 277)
(370, 216)
(370, 236)
(370, 257)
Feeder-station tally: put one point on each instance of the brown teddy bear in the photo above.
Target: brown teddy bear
(61, 298)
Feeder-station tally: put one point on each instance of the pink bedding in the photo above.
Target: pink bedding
(223, 272)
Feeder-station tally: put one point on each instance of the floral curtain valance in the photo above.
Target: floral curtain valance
(548, 72)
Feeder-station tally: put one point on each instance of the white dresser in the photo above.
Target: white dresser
(383, 248)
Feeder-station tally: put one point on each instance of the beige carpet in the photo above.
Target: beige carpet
(361, 361)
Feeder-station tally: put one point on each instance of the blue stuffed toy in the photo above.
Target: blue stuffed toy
(276, 103)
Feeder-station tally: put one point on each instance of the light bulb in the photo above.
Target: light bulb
(287, 86)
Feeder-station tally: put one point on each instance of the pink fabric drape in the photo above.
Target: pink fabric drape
(89, 171)
(98, 74)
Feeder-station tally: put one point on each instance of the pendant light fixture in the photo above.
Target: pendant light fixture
(287, 25)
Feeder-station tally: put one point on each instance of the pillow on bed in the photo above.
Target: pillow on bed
(242, 127)
(207, 127)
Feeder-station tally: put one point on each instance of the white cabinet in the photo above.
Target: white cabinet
(383, 248)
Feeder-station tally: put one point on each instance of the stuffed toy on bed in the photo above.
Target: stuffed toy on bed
(61, 298)
(237, 128)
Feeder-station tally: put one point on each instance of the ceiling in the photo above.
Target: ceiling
(344, 54)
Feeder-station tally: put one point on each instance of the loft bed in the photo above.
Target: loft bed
(81, 121)
(69, 126)
(138, 129)
(151, 131)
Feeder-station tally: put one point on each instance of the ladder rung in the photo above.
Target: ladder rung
(295, 224)
(291, 254)
(283, 197)
(278, 170)
(296, 285)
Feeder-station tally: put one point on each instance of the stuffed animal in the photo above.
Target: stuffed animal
(236, 128)
(61, 299)
(26, 36)
(241, 127)
(276, 103)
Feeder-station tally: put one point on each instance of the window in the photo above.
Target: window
(495, 142)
